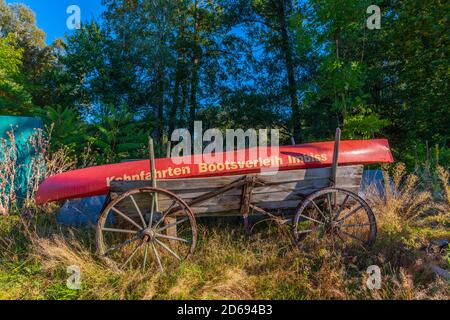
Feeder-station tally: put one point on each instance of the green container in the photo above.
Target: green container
(23, 128)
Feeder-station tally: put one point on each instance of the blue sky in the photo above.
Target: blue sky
(51, 15)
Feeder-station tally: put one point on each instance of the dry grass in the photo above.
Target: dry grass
(229, 265)
(8, 172)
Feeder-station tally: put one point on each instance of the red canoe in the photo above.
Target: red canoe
(96, 180)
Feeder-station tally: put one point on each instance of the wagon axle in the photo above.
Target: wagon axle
(150, 234)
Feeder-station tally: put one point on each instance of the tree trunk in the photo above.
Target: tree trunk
(292, 83)
(178, 78)
(184, 102)
(194, 80)
(159, 129)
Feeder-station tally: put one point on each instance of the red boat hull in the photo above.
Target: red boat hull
(95, 180)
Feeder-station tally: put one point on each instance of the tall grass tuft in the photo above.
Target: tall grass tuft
(8, 172)
(44, 163)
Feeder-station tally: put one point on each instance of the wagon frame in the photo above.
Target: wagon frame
(323, 200)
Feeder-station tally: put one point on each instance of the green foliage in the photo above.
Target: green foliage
(112, 139)
(18, 22)
(67, 128)
(364, 126)
(414, 84)
(305, 67)
(337, 91)
(14, 98)
(390, 82)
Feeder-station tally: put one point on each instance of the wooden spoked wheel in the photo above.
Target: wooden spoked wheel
(146, 226)
(336, 218)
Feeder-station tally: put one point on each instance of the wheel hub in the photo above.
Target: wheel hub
(335, 227)
(149, 235)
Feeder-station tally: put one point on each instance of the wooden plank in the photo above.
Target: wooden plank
(267, 196)
(306, 185)
(309, 174)
(176, 184)
(227, 198)
(282, 191)
(220, 181)
(232, 208)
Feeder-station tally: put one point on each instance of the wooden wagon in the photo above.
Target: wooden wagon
(142, 222)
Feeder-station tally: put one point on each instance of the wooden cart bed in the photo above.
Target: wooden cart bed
(283, 190)
(159, 217)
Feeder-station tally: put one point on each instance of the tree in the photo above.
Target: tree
(19, 22)
(267, 23)
(409, 75)
(118, 138)
(305, 67)
(14, 97)
(174, 52)
(336, 94)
